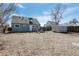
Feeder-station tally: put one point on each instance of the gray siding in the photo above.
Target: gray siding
(22, 28)
(35, 28)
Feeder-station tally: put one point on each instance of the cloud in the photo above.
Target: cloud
(45, 17)
(69, 14)
(67, 19)
(15, 14)
(42, 19)
(48, 12)
(71, 11)
(19, 5)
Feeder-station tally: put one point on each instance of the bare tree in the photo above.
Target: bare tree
(5, 11)
(57, 13)
(74, 21)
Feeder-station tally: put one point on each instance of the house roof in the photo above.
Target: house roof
(35, 21)
(19, 19)
(24, 20)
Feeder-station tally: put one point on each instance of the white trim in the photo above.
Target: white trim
(30, 27)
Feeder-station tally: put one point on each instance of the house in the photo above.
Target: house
(24, 24)
(66, 28)
(49, 25)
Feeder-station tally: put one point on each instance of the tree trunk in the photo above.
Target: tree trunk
(1, 28)
(1, 25)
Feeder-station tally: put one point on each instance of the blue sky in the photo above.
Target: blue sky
(41, 11)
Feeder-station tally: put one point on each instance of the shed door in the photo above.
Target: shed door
(30, 27)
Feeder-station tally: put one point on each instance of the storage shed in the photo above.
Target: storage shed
(66, 28)
(59, 28)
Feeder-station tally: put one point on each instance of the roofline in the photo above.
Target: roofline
(25, 23)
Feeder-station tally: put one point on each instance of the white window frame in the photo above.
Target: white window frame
(15, 26)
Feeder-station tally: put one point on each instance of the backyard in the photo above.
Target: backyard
(39, 44)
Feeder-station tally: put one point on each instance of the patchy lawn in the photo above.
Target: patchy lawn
(41, 44)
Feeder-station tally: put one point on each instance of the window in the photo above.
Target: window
(30, 22)
(17, 25)
(33, 26)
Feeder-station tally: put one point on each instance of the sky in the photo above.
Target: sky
(41, 11)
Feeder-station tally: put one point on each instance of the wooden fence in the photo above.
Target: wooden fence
(73, 28)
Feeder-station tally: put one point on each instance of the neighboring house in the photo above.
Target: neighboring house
(66, 28)
(24, 24)
(49, 25)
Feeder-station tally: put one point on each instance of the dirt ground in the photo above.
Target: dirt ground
(39, 44)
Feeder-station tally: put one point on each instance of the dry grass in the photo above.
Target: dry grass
(32, 44)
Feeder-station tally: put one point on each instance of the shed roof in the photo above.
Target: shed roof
(77, 24)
